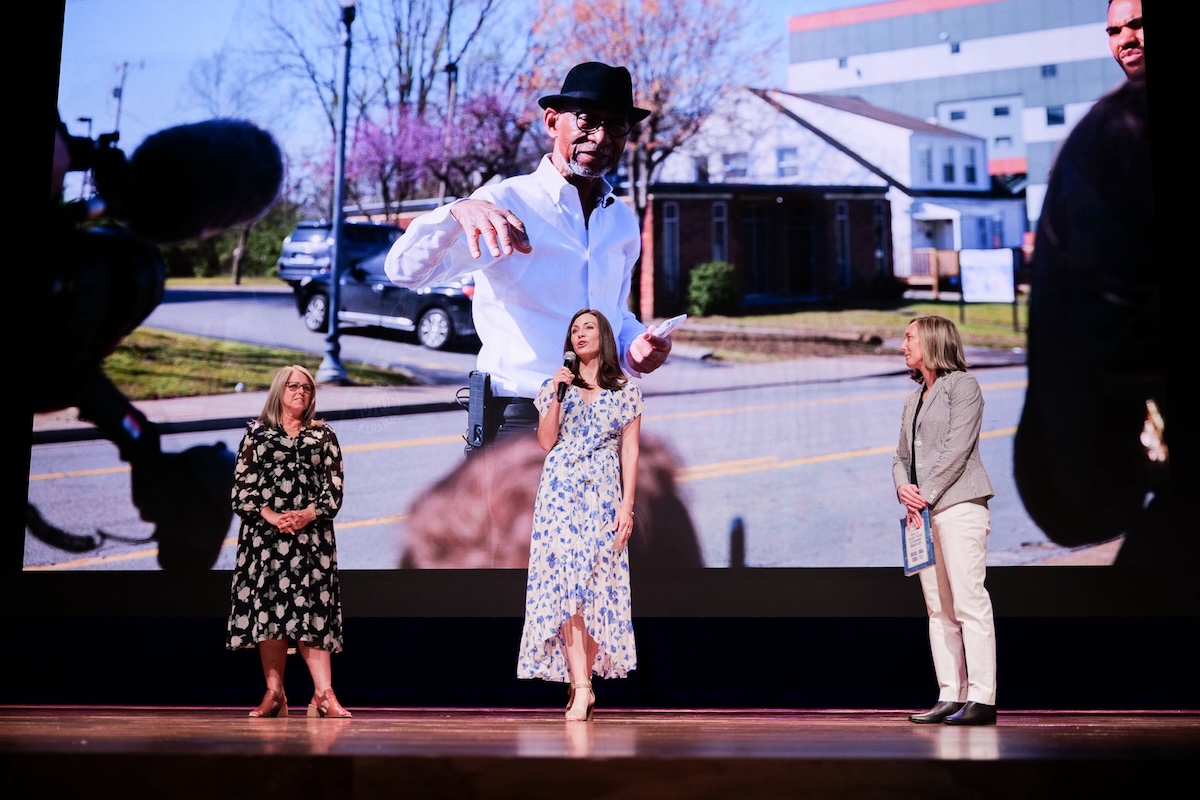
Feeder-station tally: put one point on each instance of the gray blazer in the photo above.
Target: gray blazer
(949, 469)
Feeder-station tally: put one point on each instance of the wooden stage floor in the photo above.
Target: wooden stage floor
(218, 753)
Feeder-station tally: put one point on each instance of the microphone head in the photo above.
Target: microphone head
(569, 359)
(192, 181)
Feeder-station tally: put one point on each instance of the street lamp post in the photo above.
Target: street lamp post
(451, 97)
(332, 370)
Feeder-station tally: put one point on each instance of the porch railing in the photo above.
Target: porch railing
(930, 266)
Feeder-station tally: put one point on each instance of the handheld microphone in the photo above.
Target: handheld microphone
(193, 181)
(569, 363)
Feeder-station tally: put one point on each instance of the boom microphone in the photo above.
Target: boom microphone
(569, 363)
(193, 181)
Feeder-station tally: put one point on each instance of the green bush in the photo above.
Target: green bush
(712, 289)
(214, 255)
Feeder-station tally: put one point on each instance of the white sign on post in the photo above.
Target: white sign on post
(987, 276)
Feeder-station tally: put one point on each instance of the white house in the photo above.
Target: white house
(1019, 73)
(941, 196)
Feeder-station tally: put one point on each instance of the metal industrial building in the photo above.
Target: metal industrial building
(1018, 73)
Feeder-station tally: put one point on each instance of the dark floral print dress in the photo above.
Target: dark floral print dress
(285, 585)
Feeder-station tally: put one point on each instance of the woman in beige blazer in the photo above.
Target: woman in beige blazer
(937, 465)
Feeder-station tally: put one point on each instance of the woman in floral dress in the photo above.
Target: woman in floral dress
(285, 595)
(577, 603)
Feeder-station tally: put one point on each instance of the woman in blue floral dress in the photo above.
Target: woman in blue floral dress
(577, 603)
(287, 488)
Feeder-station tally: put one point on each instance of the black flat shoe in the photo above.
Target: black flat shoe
(973, 714)
(939, 712)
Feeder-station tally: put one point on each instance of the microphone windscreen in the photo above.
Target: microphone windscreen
(192, 181)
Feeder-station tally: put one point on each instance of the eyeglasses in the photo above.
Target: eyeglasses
(590, 123)
(300, 387)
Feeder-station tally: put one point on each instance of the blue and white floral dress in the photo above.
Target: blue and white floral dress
(572, 566)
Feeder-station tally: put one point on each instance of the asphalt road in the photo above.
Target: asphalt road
(795, 454)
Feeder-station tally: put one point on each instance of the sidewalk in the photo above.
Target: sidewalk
(235, 409)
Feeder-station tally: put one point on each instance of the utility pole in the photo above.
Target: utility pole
(86, 185)
(119, 89)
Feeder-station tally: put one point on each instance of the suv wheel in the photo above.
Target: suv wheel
(434, 330)
(316, 312)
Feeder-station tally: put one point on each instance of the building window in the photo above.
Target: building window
(1003, 141)
(1000, 111)
(787, 162)
(720, 231)
(958, 116)
(954, 47)
(1056, 115)
(843, 62)
(736, 165)
(948, 166)
(926, 163)
(880, 228)
(670, 249)
(969, 173)
(841, 242)
(1049, 70)
(701, 163)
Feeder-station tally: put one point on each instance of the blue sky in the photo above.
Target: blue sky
(161, 40)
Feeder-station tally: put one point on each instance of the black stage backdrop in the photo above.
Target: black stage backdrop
(1068, 638)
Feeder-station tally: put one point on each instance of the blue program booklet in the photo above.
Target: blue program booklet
(917, 544)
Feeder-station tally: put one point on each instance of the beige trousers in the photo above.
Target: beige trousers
(962, 633)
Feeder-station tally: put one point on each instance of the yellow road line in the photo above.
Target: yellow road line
(694, 473)
(397, 444)
(80, 473)
(744, 466)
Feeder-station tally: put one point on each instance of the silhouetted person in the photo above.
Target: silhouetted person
(1092, 451)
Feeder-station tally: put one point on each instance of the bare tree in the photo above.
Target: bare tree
(399, 106)
(221, 86)
(224, 88)
(491, 132)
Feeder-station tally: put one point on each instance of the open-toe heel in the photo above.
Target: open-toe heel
(327, 705)
(591, 706)
(274, 704)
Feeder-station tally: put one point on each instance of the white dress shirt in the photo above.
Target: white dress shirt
(524, 302)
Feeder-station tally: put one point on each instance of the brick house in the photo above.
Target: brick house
(818, 198)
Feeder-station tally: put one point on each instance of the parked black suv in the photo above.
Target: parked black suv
(306, 249)
(440, 315)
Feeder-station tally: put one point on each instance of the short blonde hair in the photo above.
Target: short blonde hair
(941, 346)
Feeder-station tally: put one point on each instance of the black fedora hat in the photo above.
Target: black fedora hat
(598, 84)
